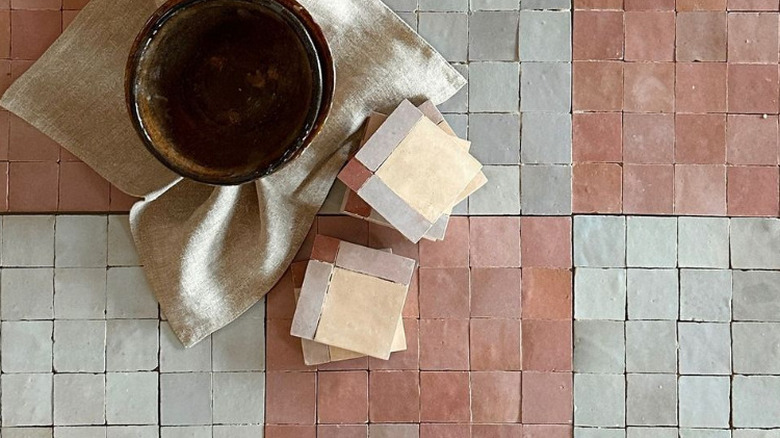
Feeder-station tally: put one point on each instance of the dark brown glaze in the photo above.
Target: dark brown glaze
(226, 91)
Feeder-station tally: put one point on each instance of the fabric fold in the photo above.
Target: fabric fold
(210, 253)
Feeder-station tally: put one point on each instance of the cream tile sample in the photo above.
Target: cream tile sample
(361, 313)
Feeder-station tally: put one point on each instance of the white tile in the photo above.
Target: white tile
(131, 432)
(703, 242)
(27, 346)
(80, 293)
(80, 432)
(26, 399)
(651, 242)
(121, 248)
(186, 432)
(600, 294)
(185, 399)
(705, 295)
(237, 431)
(28, 241)
(129, 294)
(174, 357)
(27, 432)
(132, 344)
(131, 398)
(239, 398)
(27, 293)
(79, 399)
(600, 241)
(81, 241)
(240, 346)
(80, 346)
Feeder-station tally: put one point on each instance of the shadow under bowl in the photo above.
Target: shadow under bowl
(228, 91)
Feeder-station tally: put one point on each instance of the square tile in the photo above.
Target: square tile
(704, 401)
(751, 87)
(752, 243)
(753, 38)
(26, 400)
(501, 194)
(495, 242)
(652, 294)
(34, 31)
(547, 345)
(598, 136)
(700, 139)
(27, 294)
(753, 191)
(751, 140)
(453, 251)
(754, 298)
(27, 346)
(81, 241)
(80, 293)
(597, 86)
(546, 138)
(600, 294)
(493, 36)
(701, 87)
(547, 398)
(547, 294)
(703, 242)
(599, 347)
(185, 399)
(545, 36)
(132, 345)
(651, 242)
(26, 143)
(290, 398)
(131, 398)
(495, 397)
(705, 295)
(82, 189)
(651, 399)
(129, 294)
(394, 396)
(174, 357)
(545, 86)
(342, 397)
(648, 138)
(121, 248)
(28, 241)
(484, 96)
(444, 292)
(753, 401)
(444, 344)
(649, 87)
(546, 190)
(495, 138)
(444, 397)
(599, 400)
(599, 241)
(597, 188)
(598, 35)
(237, 347)
(700, 190)
(394, 430)
(648, 189)
(79, 399)
(447, 32)
(496, 293)
(495, 344)
(754, 348)
(546, 242)
(705, 348)
(701, 36)
(649, 35)
(651, 346)
(79, 346)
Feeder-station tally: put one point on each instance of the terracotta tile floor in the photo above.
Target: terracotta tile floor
(488, 325)
(676, 107)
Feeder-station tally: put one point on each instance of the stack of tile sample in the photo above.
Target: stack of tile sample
(410, 172)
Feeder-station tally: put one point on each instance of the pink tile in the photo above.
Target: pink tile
(752, 5)
(752, 140)
(547, 398)
(597, 137)
(342, 431)
(546, 431)
(648, 138)
(33, 32)
(444, 397)
(444, 344)
(32, 187)
(701, 87)
(82, 189)
(547, 293)
(284, 351)
(753, 89)
(597, 188)
(3, 187)
(290, 431)
(700, 190)
(342, 397)
(599, 4)
(382, 237)
(119, 201)
(444, 292)
(650, 34)
(26, 143)
(432, 430)
(395, 397)
(497, 431)
(649, 5)
(495, 241)
(648, 188)
(547, 345)
(597, 86)
(753, 38)
(598, 35)
(701, 5)
(495, 397)
(495, 344)
(290, 398)
(546, 242)
(700, 139)
(453, 251)
(753, 191)
(280, 301)
(496, 293)
(344, 228)
(649, 87)
(701, 36)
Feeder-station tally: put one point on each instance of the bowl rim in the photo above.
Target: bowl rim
(327, 69)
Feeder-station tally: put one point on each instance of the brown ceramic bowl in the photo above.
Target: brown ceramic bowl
(227, 91)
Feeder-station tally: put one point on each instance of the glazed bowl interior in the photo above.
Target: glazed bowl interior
(228, 91)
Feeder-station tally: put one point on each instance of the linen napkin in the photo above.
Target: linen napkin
(209, 252)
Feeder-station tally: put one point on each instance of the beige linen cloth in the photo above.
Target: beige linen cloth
(210, 253)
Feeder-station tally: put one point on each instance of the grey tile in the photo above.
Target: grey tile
(493, 36)
(705, 401)
(703, 242)
(600, 241)
(27, 293)
(756, 433)
(705, 295)
(185, 399)
(755, 243)
(459, 124)
(28, 432)
(129, 294)
(599, 347)
(546, 190)
(755, 402)
(705, 433)
(586, 432)
(185, 432)
(26, 346)
(79, 346)
(501, 194)
(131, 398)
(80, 432)
(652, 294)
(651, 432)
(545, 36)
(756, 296)
(80, 293)
(494, 87)
(756, 348)
(599, 400)
(402, 5)
(444, 5)
(131, 432)
(409, 18)
(651, 399)
(495, 138)
(237, 431)
(81, 241)
(28, 241)
(652, 242)
(131, 345)
(546, 138)
(26, 399)
(495, 5)
(79, 399)
(241, 345)
(459, 103)
(239, 398)
(651, 347)
(446, 32)
(600, 294)
(121, 248)
(545, 4)
(545, 86)
(705, 348)
(174, 357)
